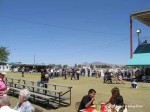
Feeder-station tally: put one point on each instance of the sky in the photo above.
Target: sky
(69, 31)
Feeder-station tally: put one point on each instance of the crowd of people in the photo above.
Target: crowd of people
(76, 72)
(110, 76)
(141, 74)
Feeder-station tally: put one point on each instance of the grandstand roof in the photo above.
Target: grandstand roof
(141, 55)
(142, 16)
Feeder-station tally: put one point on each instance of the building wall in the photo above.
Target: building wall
(4, 68)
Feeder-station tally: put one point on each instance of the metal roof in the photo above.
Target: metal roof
(142, 16)
(142, 48)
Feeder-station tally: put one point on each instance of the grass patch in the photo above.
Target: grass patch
(137, 99)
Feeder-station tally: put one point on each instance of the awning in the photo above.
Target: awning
(142, 16)
(140, 59)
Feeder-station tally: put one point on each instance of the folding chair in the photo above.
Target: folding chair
(38, 110)
(77, 104)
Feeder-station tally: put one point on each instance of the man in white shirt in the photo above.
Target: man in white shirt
(4, 105)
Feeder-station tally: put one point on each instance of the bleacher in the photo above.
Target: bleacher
(56, 95)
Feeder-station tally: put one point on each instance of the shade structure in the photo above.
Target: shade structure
(141, 59)
(141, 55)
(142, 16)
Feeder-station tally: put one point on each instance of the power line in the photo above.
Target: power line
(113, 43)
(56, 26)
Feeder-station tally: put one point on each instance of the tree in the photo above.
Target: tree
(65, 66)
(91, 66)
(75, 65)
(79, 66)
(4, 53)
(52, 65)
(59, 66)
(98, 66)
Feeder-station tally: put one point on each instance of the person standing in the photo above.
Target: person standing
(106, 76)
(73, 74)
(49, 72)
(64, 73)
(22, 71)
(44, 79)
(88, 72)
(78, 74)
(52, 72)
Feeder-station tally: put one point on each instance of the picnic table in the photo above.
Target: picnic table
(94, 109)
(105, 108)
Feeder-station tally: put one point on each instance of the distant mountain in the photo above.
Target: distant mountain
(85, 63)
(94, 63)
(100, 63)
